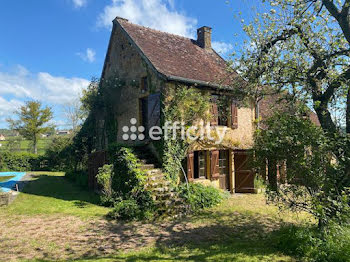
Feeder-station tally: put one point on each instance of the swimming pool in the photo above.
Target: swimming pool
(6, 186)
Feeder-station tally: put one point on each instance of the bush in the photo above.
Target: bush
(104, 179)
(124, 185)
(198, 196)
(58, 154)
(79, 177)
(333, 245)
(126, 210)
(20, 161)
(129, 180)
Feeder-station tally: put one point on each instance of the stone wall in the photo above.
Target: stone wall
(124, 61)
(7, 198)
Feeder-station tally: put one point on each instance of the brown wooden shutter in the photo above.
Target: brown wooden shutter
(234, 115)
(214, 164)
(190, 166)
(215, 114)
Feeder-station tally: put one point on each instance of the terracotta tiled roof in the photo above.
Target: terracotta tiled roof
(270, 103)
(178, 57)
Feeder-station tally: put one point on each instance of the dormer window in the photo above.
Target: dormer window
(144, 84)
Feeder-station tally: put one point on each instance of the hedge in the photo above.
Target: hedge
(19, 161)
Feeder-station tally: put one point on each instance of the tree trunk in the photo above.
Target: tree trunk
(272, 174)
(325, 119)
(348, 112)
(35, 144)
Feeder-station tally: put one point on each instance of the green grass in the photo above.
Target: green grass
(25, 145)
(5, 178)
(242, 228)
(51, 193)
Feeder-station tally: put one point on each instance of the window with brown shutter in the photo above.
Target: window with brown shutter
(234, 115)
(190, 166)
(214, 114)
(214, 164)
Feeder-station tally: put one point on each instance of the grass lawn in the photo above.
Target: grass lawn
(26, 145)
(56, 220)
(51, 193)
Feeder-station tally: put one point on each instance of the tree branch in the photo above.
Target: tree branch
(341, 16)
(348, 112)
(336, 84)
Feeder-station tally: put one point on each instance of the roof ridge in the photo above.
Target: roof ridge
(119, 19)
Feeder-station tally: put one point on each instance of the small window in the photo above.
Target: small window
(144, 84)
(223, 162)
(200, 164)
(219, 111)
(222, 118)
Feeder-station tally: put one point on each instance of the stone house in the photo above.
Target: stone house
(151, 62)
(2, 137)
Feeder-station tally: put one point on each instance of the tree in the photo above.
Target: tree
(303, 46)
(90, 97)
(74, 114)
(32, 121)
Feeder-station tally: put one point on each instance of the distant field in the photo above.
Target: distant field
(24, 145)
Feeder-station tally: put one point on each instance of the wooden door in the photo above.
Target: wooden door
(224, 178)
(153, 110)
(244, 176)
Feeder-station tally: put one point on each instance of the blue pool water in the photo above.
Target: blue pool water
(8, 185)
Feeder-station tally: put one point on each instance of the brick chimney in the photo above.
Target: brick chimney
(204, 37)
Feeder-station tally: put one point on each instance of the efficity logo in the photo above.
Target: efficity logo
(173, 130)
(133, 132)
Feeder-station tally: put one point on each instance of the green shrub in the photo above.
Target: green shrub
(124, 185)
(129, 180)
(126, 210)
(79, 177)
(58, 154)
(333, 245)
(104, 179)
(20, 161)
(198, 196)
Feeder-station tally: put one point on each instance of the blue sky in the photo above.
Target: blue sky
(49, 50)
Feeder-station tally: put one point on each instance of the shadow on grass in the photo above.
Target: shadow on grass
(59, 187)
(225, 237)
(214, 235)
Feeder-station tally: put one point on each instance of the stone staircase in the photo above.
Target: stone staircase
(167, 200)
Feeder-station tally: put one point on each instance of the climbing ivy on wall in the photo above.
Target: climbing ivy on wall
(186, 105)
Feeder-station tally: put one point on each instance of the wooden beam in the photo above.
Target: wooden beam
(232, 170)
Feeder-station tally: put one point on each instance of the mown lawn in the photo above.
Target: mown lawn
(25, 145)
(56, 220)
(50, 193)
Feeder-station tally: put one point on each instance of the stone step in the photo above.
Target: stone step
(164, 195)
(157, 183)
(147, 167)
(160, 189)
(156, 178)
(169, 202)
(155, 171)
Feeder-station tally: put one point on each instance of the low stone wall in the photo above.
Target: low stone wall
(7, 198)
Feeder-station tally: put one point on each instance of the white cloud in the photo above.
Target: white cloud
(22, 84)
(222, 48)
(79, 3)
(8, 107)
(89, 55)
(151, 13)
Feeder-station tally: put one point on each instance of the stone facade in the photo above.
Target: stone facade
(123, 61)
(127, 60)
